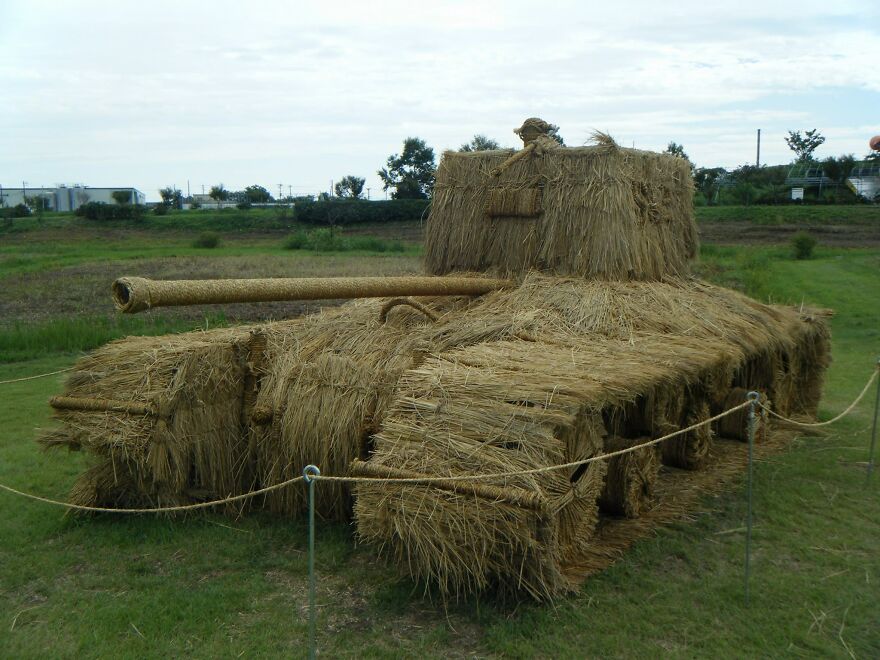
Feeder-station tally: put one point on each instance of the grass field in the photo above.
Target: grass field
(233, 222)
(208, 586)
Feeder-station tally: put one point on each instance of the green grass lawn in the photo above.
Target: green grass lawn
(208, 586)
(791, 214)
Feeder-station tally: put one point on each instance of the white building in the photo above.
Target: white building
(68, 198)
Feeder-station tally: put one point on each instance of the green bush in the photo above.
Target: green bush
(101, 211)
(356, 211)
(17, 211)
(325, 239)
(161, 209)
(297, 241)
(243, 206)
(368, 243)
(208, 239)
(802, 245)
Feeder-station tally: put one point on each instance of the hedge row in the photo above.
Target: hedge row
(356, 211)
(101, 211)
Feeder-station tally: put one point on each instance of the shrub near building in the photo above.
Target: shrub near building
(102, 211)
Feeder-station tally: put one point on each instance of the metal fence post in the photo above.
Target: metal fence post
(753, 401)
(310, 472)
(874, 429)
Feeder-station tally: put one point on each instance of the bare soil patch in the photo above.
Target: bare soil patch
(85, 289)
(747, 233)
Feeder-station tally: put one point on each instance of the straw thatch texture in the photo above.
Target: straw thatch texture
(136, 294)
(169, 430)
(220, 412)
(601, 211)
(629, 482)
(638, 358)
(331, 380)
(492, 408)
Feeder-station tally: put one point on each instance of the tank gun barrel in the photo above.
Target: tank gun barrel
(135, 294)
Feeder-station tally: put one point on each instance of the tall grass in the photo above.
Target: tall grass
(328, 240)
(24, 341)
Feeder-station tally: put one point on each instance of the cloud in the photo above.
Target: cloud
(276, 92)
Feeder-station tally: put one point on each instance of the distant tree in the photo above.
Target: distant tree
(257, 194)
(804, 145)
(121, 196)
(37, 204)
(838, 169)
(707, 180)
(675, 149)
(171, 197)
(218, 194)
(411, 173)
(350, 186)
(480, 143)
(324, 197)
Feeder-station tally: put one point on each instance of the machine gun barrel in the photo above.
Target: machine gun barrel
(135, 294)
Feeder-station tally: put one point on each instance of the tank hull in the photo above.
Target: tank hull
(556, 370)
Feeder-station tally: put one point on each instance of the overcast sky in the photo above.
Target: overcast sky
(150, 94)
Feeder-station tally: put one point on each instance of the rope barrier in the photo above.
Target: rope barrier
(428, 479)
(541, 470)
(317, 477)
(166, 509)
(51, 373)
(835, 419)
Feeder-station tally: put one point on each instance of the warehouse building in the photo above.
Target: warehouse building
(70, 198)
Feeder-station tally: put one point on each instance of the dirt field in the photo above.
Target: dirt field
(85, 289)
(720, 233)
(747, 233)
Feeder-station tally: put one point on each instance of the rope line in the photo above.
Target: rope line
(166, 509)
(428, 479)
(830, 421)
(540, 470)
(467, 477)
(51, 373)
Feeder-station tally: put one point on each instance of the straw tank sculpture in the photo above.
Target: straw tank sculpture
(558, 321)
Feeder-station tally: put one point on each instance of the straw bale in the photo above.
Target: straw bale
(332, 377)
(605, 212)
(164, 418)
(484, 410)
(688, 450)
(629, 482)
(490, 408)
(736, 425)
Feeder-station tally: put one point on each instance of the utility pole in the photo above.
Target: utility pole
(331, 187)
(758, 156)
(187, 189)
(368, 193)
(290, 191)
(280, 193)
